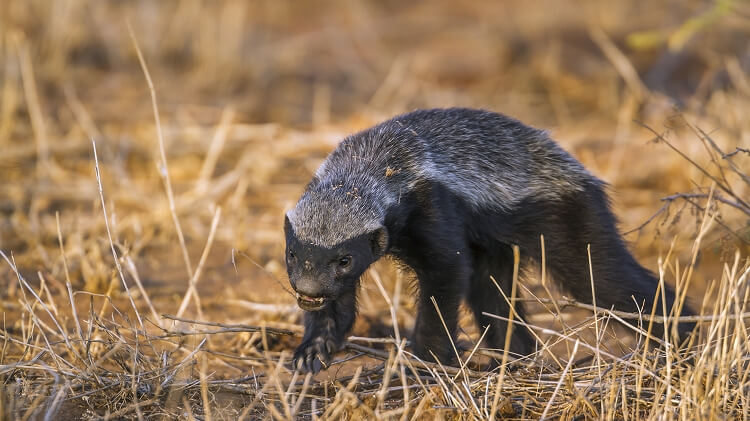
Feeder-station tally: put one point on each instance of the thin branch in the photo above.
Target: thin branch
(661, 210)
(109, 235)
(234, 327)
(565, 302)
(192, 291)
(163, 168)
(718, 182)
(736, 151)
(687, 197)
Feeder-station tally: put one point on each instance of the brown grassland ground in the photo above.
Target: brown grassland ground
(118, 207)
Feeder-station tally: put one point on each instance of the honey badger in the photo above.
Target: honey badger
(448, 192)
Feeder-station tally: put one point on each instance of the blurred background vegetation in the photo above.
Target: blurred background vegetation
(273, 60)
(291, 78)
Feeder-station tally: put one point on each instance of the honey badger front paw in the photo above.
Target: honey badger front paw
(314, 354)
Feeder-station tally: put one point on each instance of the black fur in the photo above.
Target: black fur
(453, 241)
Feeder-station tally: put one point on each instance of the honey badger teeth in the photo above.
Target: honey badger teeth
(308, 303)
(313, 300)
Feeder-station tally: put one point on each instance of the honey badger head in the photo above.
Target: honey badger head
(333, 234)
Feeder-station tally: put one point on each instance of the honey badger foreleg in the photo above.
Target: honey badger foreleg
(432, 241)
(325, 332)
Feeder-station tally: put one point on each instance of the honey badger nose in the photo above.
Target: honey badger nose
(309, 287)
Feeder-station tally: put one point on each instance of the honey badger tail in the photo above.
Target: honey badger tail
(582, 223)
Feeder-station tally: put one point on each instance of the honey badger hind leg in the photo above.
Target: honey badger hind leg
(580, 222)
(485, 298)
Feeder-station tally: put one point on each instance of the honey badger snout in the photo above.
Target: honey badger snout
(311, 295)
(308, 286)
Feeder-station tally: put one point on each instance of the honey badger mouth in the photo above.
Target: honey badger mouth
(311, 303)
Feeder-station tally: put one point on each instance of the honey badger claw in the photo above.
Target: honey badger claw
(313, 355)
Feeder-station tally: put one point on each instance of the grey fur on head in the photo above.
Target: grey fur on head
(333, 212)
(486, 159)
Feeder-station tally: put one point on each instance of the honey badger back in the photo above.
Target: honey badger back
(448, 191)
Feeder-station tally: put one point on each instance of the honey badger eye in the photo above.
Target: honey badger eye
(291, 254)
(345, 261)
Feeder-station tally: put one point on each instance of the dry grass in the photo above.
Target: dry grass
(140, 217)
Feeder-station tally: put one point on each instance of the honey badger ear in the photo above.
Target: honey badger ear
(287, 225)
(379, 242)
